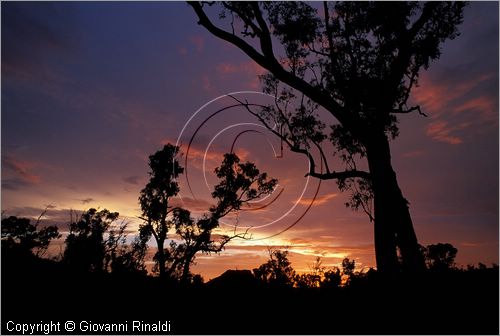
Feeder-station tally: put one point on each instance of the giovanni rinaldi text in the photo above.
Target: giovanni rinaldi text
(47, 328)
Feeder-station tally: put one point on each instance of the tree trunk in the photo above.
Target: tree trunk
(161, 257)
(186, 267)
(392, 220)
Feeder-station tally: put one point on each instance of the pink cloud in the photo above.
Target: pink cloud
(207, 84)
(247, 68)
(443, 99)
(23, 169)
(484, 105)
(194, 205)
(212, 157)
(198, 42)
(319, 200)
(414, 153)
(227, 68)
(470, 244)
(437, 97)
(199, 154)
(440, 131)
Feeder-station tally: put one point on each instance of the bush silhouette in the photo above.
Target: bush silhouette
(21, 237)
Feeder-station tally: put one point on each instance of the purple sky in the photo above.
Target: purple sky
(90, 90)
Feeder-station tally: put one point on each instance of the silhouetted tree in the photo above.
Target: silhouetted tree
(332, 279)
(277, 270)
(130, 258)
(115, 244)
(155, 197)
(440, 256)
(481, 266)
(97, 242)
(24, 238)
(87, 248)
(470, 267)
(359, 62)
(239, 184)
(313, 278)
(348, 266)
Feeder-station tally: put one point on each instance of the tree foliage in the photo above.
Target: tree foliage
(332, 279)
(277, 271)
(20, 235)
(440, 256)
(348, 266)
(130, 258)
(358, 61)
(155, 197)
(314, 278)
(96, 243)
(239, 183)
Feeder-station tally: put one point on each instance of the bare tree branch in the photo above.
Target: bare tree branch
(340, 175)
(294, 148)
(411, 109)
(269, 62)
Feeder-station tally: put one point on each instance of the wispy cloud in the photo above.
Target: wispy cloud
(212, 157)
(319, 200)
(87, 200)
(249, 69)
(437, 95)
(193, 205)
(451, 100)
(471, 244)
(132, 179)
(18, 173)
(441, 131)
(198, 42)
(483, 105)
(415, 153)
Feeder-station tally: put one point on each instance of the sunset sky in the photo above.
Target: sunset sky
(90, 90)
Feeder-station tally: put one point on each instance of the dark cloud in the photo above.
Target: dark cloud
(53, 216)
(132, 179)
(30, 31)
(17, 174)
(192, 204)
(87, 200)
(14, 184)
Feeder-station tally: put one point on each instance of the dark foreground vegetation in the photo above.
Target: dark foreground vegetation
(452, 301)
(101, 279)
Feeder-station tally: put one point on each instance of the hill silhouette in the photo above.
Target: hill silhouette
(234, 279)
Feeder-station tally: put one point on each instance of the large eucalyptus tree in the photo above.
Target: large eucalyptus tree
(358, 61)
